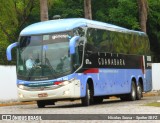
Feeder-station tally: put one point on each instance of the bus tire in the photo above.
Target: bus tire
(87, 100)
(139, 91)
(132, 95)
(41, 104)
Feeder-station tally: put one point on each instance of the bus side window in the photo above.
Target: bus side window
(90, 49)
(77, 57)
(80, 50)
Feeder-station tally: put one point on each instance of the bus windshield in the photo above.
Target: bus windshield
(43, 57)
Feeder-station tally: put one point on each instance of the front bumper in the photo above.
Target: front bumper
(72, 90)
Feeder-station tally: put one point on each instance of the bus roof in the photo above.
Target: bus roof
(62, 25)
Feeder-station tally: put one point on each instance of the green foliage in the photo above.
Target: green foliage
(119, 12)
(17, 14)
(153, 28)
(8, 25)
(14, 16)
(7, 13)
(69, 9)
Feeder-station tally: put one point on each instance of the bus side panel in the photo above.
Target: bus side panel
(86, 77)
(115, 73)
(110, 81)
(116, 81)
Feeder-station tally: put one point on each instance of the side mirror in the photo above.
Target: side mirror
(8, 51)
(72, 44)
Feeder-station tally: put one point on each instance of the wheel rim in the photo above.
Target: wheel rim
(139, 92)
(89, 96)
(133, 92)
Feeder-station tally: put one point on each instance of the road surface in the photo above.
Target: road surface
(112, 106)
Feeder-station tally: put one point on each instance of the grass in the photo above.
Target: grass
(156, 104)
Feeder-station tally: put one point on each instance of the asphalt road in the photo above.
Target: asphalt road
(112, 106)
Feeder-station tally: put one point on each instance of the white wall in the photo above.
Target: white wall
(8, 89)
(156, 76)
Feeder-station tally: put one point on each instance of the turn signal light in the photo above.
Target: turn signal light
(62, 83)
(58, 82)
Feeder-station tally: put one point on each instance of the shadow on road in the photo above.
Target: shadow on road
(78, 104)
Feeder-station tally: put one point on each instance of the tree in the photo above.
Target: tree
(122, 13)
(87, 9)
(69, 9)
(143, 12)
(44, 10)
(8, 20)
(15, 15)
(153, 28)
(24, 10)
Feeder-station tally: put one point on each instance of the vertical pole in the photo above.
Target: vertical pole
(87, 9)
(43, 10)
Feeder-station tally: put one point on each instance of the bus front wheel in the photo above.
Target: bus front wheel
(40, 104)
(139, 92)
(43, 103)
(88, 99)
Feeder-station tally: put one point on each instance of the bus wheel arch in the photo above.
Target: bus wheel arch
(88, 98)
(139, 89)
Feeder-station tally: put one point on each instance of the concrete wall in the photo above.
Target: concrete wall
(156, 76)
(8, 88)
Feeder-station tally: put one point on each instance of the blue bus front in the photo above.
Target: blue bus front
(45, 68)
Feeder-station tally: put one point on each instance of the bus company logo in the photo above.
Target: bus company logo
(110, 61)
(59, 36)
(88, 61)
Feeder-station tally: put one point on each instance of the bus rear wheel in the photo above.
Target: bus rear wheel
(139, 92)
(132, 95)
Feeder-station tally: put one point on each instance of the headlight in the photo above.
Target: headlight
(21, 86)
(65, 83)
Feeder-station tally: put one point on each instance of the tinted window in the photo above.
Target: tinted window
(99, 40)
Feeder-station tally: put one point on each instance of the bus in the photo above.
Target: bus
(77, 58)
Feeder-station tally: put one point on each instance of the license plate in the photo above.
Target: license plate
(43, 95)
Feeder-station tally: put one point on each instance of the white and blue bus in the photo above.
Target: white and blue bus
(81, 59)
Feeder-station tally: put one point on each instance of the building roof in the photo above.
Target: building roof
(61, 25)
